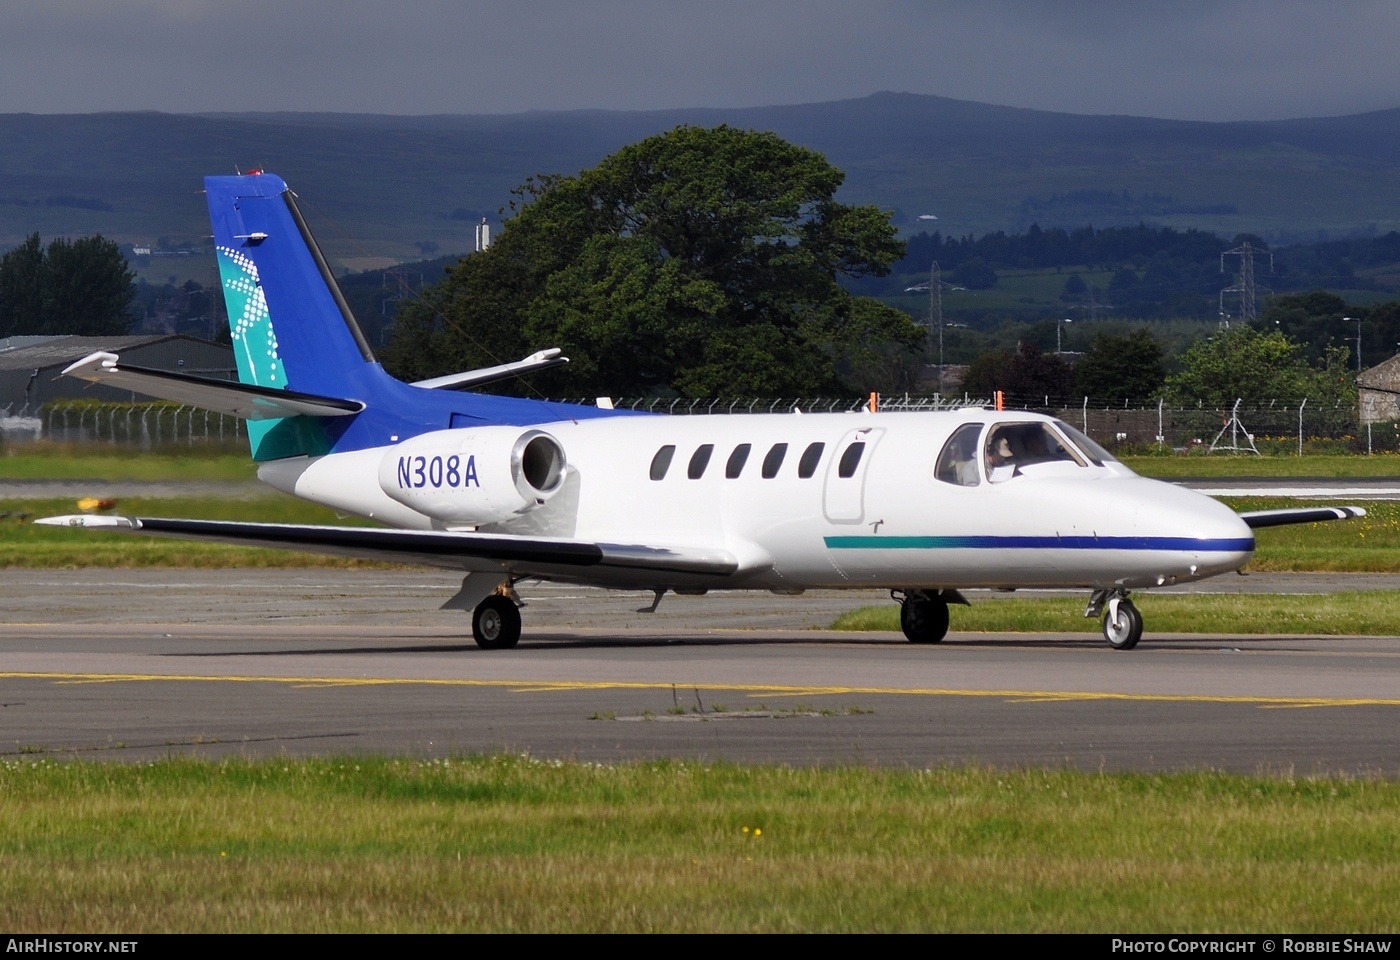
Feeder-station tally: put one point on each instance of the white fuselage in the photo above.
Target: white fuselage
(889, 522)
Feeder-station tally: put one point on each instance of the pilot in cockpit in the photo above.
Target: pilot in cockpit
(1001, 462)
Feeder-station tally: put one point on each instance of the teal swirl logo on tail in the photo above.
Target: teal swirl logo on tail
(254, 340)
(255, 352)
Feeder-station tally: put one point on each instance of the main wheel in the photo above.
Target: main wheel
(1124, 631)
(924, 619)
(496, 624)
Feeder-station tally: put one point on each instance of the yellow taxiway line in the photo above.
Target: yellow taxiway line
(768, 690)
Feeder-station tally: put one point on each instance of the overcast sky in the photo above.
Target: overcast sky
(1185, 59)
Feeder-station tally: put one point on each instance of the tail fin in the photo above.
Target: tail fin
(266, 255)
(293, 331)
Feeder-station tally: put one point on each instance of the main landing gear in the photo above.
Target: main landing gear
(496, 623)
(924, 616)
(1122, 623)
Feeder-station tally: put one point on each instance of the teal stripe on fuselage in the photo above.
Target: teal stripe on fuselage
(1231, 545)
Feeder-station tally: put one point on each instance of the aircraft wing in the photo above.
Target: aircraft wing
(221, 396)
(571, 559)
(1280, 518)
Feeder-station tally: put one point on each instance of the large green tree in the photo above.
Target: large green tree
(1121, 366)
(1243, 363)
(79, 286)
(1028, 377)
(699, 261)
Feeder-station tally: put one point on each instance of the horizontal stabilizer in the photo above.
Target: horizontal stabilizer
(1281, 518)
(542, 360)
(221, 396)
(455, 550)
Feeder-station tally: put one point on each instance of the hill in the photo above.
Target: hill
(381, 187)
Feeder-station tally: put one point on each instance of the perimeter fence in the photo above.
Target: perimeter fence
(142, 426)
(1277, 426)
(1274, 425)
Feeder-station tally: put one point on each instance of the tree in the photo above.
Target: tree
(975, 274)
(1121, 366)
(1027, 377)
(1242, 363)
(699, 261)
(82, 287)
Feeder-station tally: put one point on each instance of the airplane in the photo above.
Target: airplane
(507, 490)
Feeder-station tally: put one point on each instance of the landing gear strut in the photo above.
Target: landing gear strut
(923, 617)
(1122, 623)
(496, 623)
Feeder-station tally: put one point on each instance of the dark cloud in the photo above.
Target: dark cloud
(1202, 59)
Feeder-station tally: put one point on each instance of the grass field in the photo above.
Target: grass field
(516, 844)
(102, 462)
(25, 544)
(1359, 613)
(1329, 466)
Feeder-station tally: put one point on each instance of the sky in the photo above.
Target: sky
(1178, 59)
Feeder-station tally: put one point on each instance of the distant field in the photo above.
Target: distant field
(506, 843)
(1372, 613)
(103, 462)
(1330, 466)
(25, 544)
(1371, 544)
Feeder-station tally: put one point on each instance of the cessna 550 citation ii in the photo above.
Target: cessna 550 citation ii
(507, 490)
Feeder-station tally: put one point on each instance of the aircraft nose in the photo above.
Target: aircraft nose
(1218, 540)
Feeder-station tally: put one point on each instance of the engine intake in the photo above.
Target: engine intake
(474, 476)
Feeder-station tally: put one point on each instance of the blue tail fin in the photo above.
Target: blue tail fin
(267, 256)
(292, 330)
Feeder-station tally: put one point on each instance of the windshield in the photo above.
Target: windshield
(1013, 447)
(1092, 450)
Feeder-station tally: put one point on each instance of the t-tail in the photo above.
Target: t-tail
(309, 383)
(267, 255)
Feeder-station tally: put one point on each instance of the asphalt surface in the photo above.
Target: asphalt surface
(137, 664)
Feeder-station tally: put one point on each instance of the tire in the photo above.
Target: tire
(924, 619)
(1124, 633)
(496, 624)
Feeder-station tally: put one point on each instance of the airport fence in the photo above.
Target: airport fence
(1277, 426)
(1274, 425)
(143, 426)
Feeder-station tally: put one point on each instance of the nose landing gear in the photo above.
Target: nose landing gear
(1122, 623)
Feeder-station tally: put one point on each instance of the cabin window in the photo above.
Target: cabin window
(737, 459)
(810, 458)
(957, 463)
(662, 461)
(774, 460)
(850, 460)
(699, 460)
(1013, 448)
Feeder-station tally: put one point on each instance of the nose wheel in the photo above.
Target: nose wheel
(1122, 624)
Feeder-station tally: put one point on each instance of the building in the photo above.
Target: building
(1378, 391)
(31, 367)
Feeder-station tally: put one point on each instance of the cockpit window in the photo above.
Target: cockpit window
(1090, 449)
(958, 461)
(1013, 447)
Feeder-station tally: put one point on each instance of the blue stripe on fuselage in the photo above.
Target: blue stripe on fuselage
(1232, 545)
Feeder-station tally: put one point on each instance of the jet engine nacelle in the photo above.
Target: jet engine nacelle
(468, 476)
